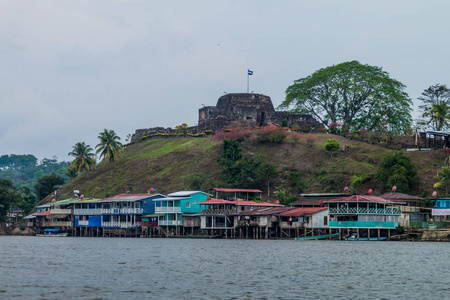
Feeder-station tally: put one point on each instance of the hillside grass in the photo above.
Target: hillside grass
(171, 164)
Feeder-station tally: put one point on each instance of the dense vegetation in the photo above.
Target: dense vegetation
(25, 169)
(304, 165)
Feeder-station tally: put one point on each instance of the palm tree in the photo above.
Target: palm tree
(84, 158)
(71, 172)
(444, 179)
(109, 146)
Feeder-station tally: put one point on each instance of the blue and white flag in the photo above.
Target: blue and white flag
(250, 72)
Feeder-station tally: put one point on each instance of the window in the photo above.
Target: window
(325, 220)
(188, 204)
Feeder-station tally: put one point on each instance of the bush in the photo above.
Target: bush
(271, 134)
(400, 229)
(332, 145)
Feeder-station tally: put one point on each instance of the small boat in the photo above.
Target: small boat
(55, 232)
(316, 237)
(355, 238)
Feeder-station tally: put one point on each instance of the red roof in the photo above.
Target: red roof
(237, 190)
(42, 214)
(238, 202)
(362, 198)
(297, 212)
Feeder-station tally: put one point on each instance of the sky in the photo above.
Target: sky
(69, 69)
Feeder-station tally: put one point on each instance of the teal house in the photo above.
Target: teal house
(364, 214)
(180, 211)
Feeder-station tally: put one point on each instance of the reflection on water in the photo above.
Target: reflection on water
(111, 268)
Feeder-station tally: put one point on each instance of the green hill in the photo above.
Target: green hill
(172, 164)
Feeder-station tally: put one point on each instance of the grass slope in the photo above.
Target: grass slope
(169, 164)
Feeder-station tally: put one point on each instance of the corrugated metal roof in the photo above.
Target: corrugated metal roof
(264, 211)
(301, 211)
(171, 198)
(306, 202)
(362, 198)
(400, 196)
(186, 193)
(237, 190)
(128, 197)
(239, 202)
(64, 201)
(41, 214)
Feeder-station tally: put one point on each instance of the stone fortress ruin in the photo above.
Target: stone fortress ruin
(246, 109)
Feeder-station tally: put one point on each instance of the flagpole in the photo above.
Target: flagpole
(248, 76)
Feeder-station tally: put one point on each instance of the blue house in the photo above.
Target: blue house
(180, 211)
(441, 210)
(126, 210)
(87, 217)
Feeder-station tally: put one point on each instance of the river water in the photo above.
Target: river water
(134, 268)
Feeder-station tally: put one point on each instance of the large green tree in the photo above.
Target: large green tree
(8, 197)
(84, 157)
(110, 146)
(436, 106)
(396, 169)
(47, 184)
(355, 95)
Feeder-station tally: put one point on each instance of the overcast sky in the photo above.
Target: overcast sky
(69, 69)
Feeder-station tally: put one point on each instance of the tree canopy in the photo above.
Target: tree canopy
(46, 185)
(357, 96)
(436, 106)
(17, 161)
(397, 169)
(109, 146)
(84, 158)
(8, 196)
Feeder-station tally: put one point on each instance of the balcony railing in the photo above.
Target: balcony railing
(363, 224)
(168, 209)
(361, 210)
(122, 224)
(61, 211)
(218, 211)
(170, 223)
(87, 211)
(61, 223)
(117, 211)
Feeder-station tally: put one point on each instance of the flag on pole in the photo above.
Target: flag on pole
(250, 72)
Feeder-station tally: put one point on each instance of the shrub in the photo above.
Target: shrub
(271, 134)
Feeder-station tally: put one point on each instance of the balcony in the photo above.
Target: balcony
(87, 211)
(361, 210)
(121, 211)
(168, 209)
(61, 223)
(121, 224)
(61, 211)
(217, 211)
(170, 223)
(362, 224)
